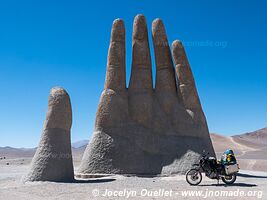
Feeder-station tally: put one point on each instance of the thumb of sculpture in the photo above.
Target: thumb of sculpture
(53, 158)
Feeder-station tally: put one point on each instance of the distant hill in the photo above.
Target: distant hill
(258, 138)
(11, 152)
(261, 133)
(250, 148)
(79, 144)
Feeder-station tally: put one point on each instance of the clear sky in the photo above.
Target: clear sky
(64, 43)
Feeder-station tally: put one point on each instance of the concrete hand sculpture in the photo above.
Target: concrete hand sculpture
(53, 158)
(141, 129)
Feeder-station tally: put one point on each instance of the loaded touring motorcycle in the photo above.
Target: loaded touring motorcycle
(225, 169)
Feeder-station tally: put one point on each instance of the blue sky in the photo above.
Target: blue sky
(55, 42)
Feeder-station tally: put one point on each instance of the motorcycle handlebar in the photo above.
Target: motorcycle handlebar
(205, 154)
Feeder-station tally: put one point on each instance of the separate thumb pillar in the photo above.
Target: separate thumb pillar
(53, 158)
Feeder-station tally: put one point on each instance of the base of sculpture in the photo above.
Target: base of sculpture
(119, 154)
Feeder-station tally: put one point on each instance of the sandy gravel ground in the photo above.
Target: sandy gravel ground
(250, 183)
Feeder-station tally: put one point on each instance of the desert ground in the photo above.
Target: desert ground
(251, 182)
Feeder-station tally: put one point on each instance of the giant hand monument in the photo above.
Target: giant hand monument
(143, 130)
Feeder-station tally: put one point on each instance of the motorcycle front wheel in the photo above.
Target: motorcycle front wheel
(193, 177)
(230, 179)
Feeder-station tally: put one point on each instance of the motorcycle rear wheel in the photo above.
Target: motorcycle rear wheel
(230, 179)
(193, 177)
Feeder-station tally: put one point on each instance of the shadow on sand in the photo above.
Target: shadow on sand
(232, 185)
(103, 180)
(239, 184)
(250, 176)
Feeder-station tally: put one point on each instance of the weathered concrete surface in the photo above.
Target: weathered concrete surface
(142, 130)
(53, 158)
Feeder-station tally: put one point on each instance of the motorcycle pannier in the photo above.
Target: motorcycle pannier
(231, 169)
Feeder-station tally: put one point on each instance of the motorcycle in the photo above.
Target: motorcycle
(213, 169)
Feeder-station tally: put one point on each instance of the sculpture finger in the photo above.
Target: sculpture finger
(53, 158)
(116, 74)
(59, 114)
(141, 75)
(140, 87)
(165, 76)
(185, 77)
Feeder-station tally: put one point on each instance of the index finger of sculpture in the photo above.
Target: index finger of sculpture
(141, 75)
(165, 76)
(185, 77)
(116, 74)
